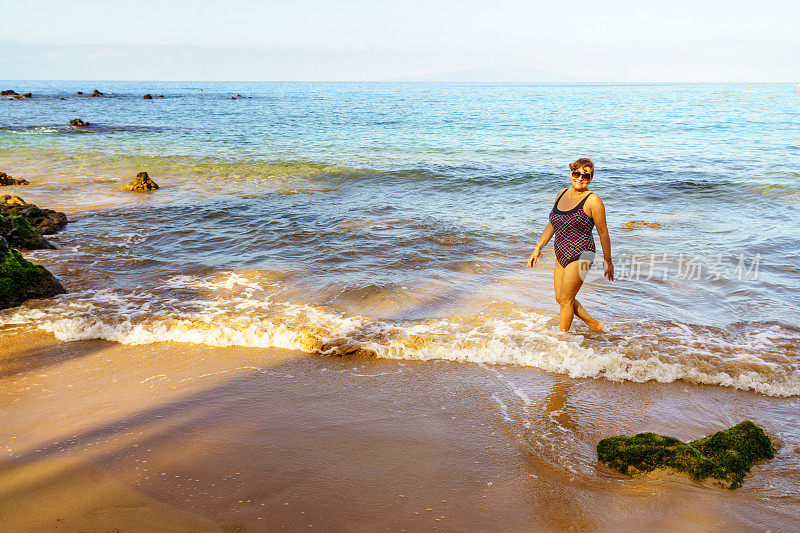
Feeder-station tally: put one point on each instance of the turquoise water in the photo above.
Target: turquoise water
(399, 216)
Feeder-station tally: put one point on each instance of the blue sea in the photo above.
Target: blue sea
(397, 218)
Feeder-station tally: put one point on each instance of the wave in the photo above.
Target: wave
(66, 129)
(245, 309)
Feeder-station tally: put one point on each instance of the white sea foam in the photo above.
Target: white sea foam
(237, 309)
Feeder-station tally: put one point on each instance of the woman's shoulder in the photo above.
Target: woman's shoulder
(592, 203)
(593, 197)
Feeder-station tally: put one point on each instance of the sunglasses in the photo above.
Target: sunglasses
(581, 175)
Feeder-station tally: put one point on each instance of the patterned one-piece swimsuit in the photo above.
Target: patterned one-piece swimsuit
(573, 232)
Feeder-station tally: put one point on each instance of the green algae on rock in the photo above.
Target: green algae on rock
(20, 234)
(45, 221)
(21, 280)
(725, 456)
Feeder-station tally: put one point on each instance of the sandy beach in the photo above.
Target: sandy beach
(98, 436)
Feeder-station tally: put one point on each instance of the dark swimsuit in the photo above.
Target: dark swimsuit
(573, 232)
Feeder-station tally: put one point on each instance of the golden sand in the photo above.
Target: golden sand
(98, 436)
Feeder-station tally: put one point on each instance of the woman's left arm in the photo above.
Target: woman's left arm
(598, 212)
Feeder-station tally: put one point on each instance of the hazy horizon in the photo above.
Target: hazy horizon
(355, 40)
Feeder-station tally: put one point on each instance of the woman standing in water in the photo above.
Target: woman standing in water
(574, 243)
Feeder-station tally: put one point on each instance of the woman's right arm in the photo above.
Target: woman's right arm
(543, 240)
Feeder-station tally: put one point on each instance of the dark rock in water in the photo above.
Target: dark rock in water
(45, 221)
(97, 93)
(21, 234)
(78, 123)
(62, 98)
(5, 179)
(148, 96)
(141, 183)
(21, 280)
(160, 96)
(13, 95)
(725, 456)
(80, 93)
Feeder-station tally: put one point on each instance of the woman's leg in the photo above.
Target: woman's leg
(568, 281)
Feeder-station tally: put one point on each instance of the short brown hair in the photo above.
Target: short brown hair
(582, 162)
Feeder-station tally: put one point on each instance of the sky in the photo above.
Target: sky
(612, 40)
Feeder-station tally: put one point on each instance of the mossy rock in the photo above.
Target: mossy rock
(21, 234)
(45, 221)
(725, 456)
(21, 280)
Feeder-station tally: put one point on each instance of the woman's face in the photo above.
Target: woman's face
(580, 178)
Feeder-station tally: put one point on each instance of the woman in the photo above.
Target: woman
(576, 211)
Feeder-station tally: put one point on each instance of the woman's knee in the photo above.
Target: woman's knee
(564, 300)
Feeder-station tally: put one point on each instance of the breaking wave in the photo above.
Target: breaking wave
(246, 309)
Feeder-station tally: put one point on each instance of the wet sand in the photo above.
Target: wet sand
(96, 436)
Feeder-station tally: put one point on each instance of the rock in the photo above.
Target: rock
(638, 224)
(78, 123)
(21, 280)
(5, 179)
(62, 98)
(7, 200)
(725, 456)
(27, 95)
(97, 93)
(21, 234)
(80, 93)
(45, 221)
(160, 96)
(14, 95)
(141, 183)
(148, 96)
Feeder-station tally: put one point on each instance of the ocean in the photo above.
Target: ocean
(397, 218)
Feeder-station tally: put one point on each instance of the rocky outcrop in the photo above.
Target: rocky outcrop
(21, 280)
(725, 456)
(78, 123)
(141, 183)
(5, 179)
(148, 96)
(9, 93)
(8, 200)
(23, 224)
(21, 234)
